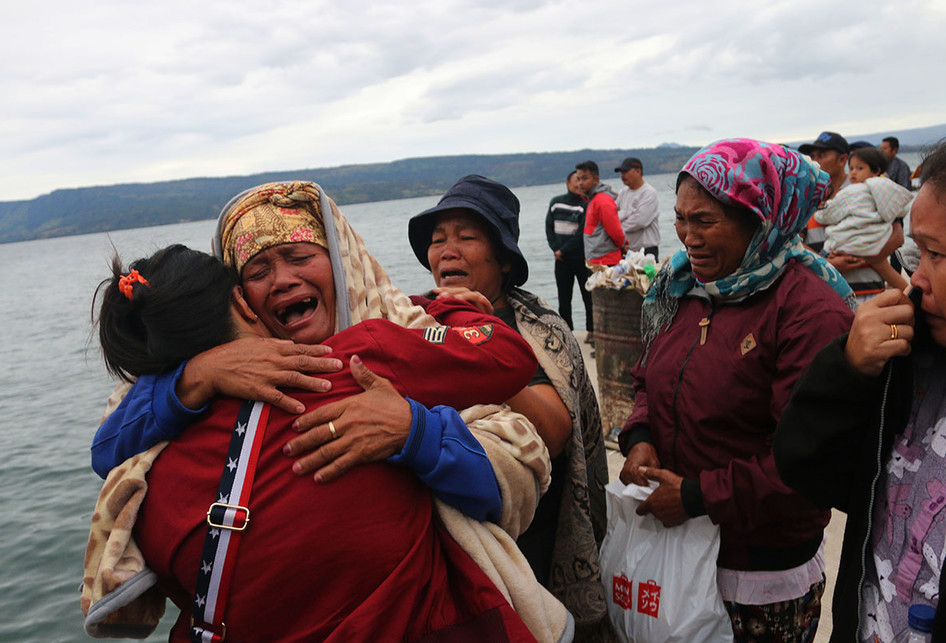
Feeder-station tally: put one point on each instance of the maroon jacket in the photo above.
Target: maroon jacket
(710, 409)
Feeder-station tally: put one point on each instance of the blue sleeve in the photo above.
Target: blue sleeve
(151, 412)
(443, 453)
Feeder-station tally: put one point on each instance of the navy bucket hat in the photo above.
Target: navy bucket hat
(493, 201)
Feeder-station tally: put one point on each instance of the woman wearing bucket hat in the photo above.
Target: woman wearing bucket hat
(307, 276)
(469, 241)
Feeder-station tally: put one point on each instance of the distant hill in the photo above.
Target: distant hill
(911, 140)
(137, 205)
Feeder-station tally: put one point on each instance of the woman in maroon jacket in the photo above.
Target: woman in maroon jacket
(729, 324)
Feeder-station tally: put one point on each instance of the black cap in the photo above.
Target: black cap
(856, 145)
(491, 200)
(827, 141)
(631, 162)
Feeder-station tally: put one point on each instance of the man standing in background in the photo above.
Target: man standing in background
(604, 237)
(637, 208)
(564, 226)
(897, 171)
(830, 150)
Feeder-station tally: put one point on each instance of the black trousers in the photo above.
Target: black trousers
(568, 269)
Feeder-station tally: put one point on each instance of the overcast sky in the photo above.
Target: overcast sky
(97, 93)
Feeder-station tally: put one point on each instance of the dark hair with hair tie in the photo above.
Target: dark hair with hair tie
(184, 310)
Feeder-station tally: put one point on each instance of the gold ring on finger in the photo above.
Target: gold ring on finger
(331, 429)
(893, 331)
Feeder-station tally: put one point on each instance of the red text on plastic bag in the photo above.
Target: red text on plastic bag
(621, 592)
(648, 598)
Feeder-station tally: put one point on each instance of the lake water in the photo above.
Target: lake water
(53, 387)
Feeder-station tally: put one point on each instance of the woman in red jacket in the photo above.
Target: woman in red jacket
(728, 326)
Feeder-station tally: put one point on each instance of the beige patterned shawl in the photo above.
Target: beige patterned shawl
(575, 576)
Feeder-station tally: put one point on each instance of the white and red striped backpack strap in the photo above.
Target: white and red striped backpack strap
(227, 519)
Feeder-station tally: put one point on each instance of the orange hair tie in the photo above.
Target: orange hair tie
(126, 283)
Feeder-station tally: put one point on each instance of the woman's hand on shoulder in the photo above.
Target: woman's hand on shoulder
(363, 428)
(256, 368)
(882, 329)
(642, 454)
(477, 299)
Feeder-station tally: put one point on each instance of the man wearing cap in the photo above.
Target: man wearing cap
(469, 240)
(830, 150)
(604, 237)
(897, 171)
(637, 208)
(564, 224)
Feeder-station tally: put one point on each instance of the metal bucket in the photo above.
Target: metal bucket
(617, 315)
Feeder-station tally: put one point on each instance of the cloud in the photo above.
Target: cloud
(119, 91)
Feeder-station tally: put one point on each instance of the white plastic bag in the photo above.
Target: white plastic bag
(660, 582)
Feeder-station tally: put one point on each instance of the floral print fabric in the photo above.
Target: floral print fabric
(909, 527)
(794, 621)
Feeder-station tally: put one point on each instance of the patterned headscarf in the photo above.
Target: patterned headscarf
(300, 211)
(271, 215)
(781, 187)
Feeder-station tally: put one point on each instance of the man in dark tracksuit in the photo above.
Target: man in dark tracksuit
(563, 228)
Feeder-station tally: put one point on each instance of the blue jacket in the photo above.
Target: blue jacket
(440, 449)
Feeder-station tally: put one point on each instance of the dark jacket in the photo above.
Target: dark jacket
(710, 409)
(564, 224)
(832, 444)
(899, 172)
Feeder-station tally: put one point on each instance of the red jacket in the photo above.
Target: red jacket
(711, 408)
(604, 236)
(363, 558)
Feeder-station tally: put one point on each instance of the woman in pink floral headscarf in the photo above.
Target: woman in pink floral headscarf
(729, 324)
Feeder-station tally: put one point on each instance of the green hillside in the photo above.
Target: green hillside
(137, 205)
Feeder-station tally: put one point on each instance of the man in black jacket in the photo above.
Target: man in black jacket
(897, 171)
(564, 224)
(865, 432)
